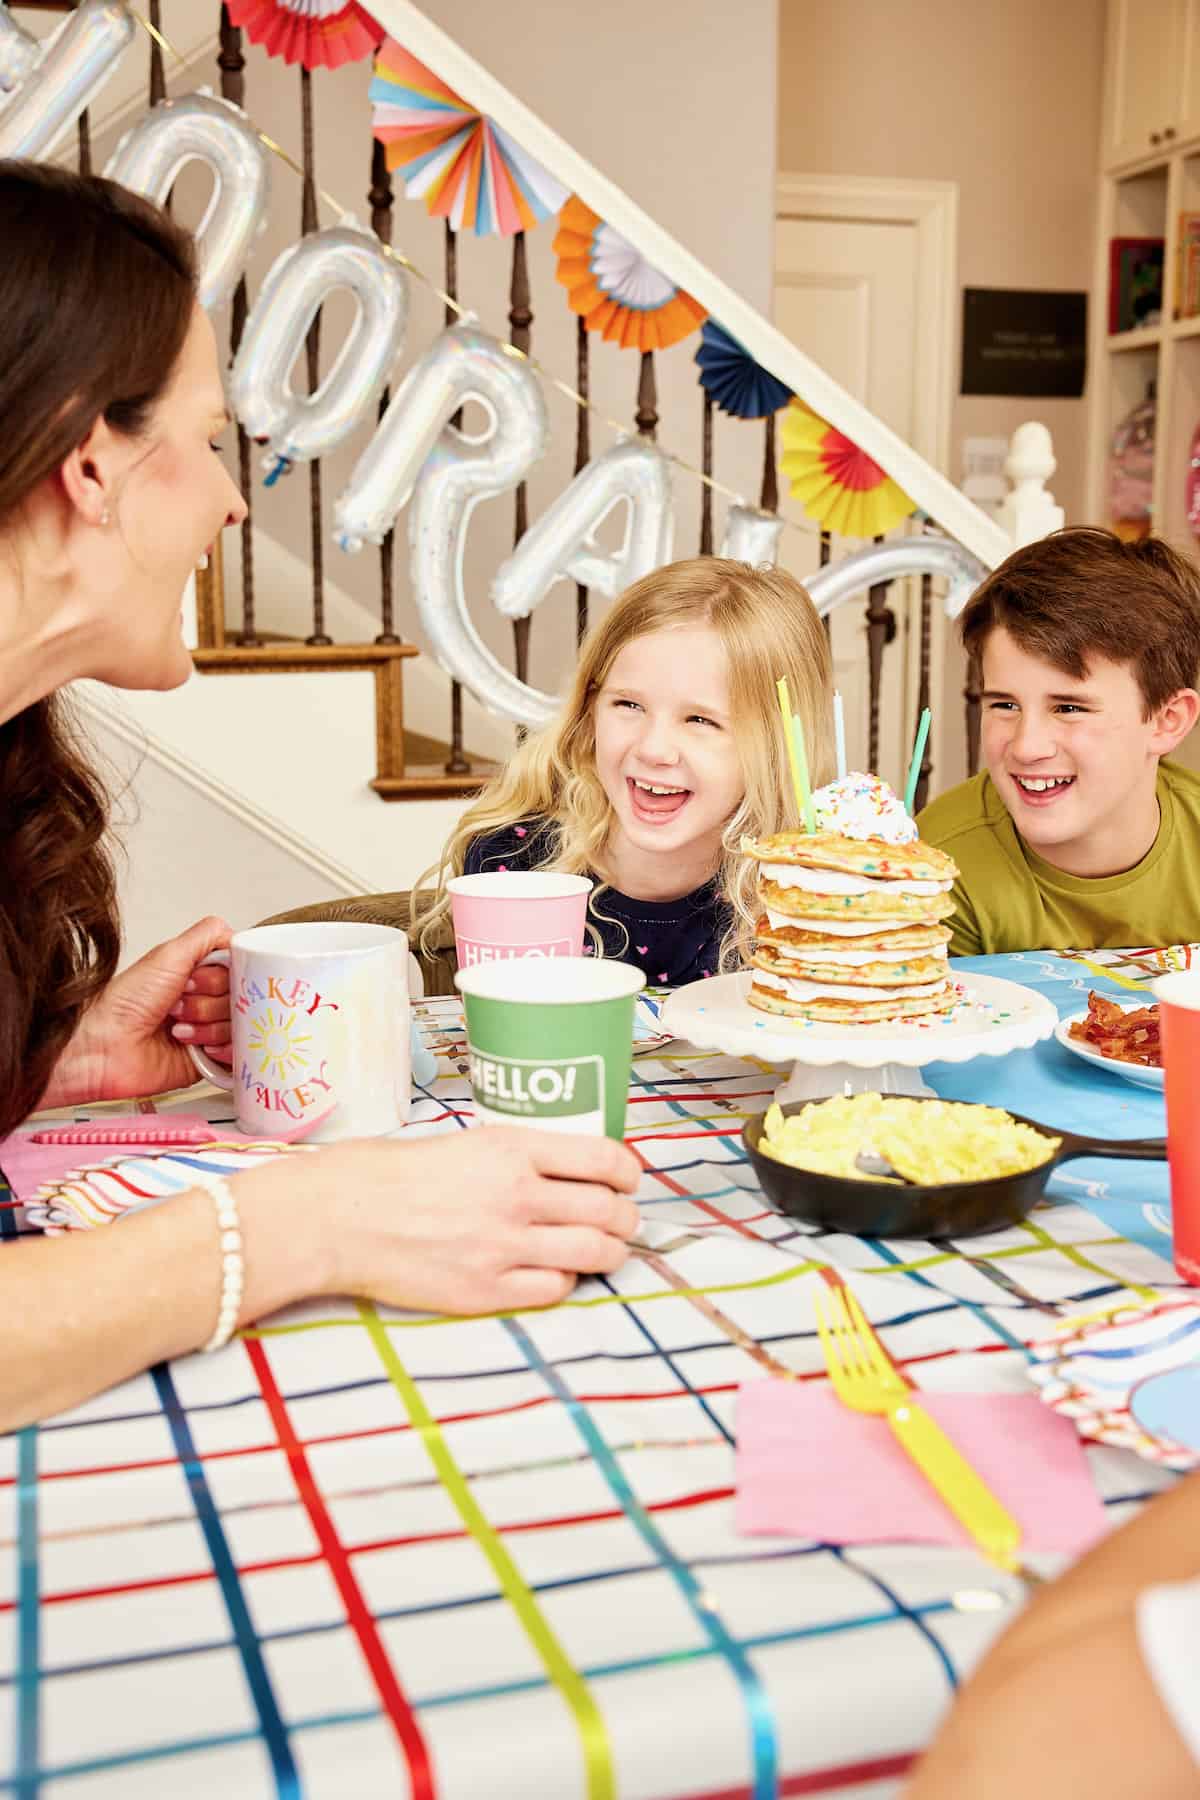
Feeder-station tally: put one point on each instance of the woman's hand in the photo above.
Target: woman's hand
(131, 1040)
(484, 1221)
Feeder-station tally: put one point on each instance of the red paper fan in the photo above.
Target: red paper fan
(317, 33)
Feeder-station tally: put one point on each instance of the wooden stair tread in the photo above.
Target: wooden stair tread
(429, 781)
(422, 758)
(285, 658)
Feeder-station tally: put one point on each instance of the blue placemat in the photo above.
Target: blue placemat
(1047, 1083)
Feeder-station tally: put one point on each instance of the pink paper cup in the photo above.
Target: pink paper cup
(514, 913)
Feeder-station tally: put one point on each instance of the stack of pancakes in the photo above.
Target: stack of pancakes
(851, 930)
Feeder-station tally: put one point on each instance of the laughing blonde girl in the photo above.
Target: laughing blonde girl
(666, 752)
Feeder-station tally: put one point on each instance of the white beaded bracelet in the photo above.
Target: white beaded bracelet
(233, 1267)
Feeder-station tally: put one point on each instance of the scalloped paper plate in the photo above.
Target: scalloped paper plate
(96, 1193)
(992, 1017)
(1108, 1378)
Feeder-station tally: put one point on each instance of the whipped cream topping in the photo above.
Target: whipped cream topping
(835, 881)
(838, 927)
(796, 989)
(862, 806)
(856, 959)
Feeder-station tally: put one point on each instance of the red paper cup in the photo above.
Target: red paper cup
(1178, 999)
(517, 913)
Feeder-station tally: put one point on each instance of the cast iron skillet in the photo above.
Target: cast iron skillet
(952, 1209)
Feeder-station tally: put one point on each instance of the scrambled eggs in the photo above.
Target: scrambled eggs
(929, 1142)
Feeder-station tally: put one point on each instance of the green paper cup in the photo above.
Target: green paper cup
(551, 1042)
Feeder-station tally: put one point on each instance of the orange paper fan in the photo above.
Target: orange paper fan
(838, 484)
(614, 289)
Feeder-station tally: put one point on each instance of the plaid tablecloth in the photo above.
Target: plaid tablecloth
(365, 1553)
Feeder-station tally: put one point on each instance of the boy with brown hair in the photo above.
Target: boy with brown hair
(1078, 835)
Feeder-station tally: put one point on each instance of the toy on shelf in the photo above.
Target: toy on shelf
(1131, 470)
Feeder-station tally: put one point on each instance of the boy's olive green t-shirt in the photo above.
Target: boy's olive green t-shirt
(1009, 898)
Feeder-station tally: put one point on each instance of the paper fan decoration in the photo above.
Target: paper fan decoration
(732, 378)
(321, 34)
(462, 164)
(614, 289)
(838, 484)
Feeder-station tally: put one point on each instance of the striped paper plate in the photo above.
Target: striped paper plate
(1109, 1378)
(96, 1193)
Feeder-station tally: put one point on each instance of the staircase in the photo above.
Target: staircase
(290, 592)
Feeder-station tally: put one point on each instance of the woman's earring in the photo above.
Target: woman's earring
(104, 516)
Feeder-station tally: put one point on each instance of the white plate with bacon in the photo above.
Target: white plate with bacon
(1122, 1039)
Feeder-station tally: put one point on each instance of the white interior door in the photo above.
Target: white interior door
(854, 292)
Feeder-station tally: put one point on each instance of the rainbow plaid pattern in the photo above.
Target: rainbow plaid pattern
(364, 1552)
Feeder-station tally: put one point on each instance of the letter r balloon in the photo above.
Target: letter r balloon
(417, 452)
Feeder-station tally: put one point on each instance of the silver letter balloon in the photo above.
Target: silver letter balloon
(752, 536)
(902, 556)
(19, 51)
(66, 78)
(417, 451)
(203, 129)
(299, 427)
(561, 544)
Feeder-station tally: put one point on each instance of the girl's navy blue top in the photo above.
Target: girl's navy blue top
(674, 941)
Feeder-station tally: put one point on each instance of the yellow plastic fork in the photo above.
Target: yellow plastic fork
(865, 1380)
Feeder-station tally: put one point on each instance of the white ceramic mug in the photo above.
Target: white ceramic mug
(320, 1030)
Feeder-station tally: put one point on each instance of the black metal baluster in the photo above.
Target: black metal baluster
(158, 81)
(232, 63)
(923, 679)
(309, 222)
(381, 199)
(85, 143)
(706, 464)
(646, 416)
(520, 319)
(457, 763)
(826, 557)
(881, 629)
(583, 450)
(768, 498)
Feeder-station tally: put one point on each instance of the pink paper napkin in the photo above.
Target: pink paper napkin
(809, 1467)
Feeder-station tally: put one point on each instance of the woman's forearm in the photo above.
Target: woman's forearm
(80, 1313)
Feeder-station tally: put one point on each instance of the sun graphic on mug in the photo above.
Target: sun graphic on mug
(280, 1043)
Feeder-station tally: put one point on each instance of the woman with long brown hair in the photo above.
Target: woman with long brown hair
(110, 491)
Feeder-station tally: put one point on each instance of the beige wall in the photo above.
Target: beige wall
(1003, 99)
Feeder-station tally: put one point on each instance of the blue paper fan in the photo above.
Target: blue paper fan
(737, 384)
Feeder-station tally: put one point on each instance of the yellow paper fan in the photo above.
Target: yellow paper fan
(836, 483)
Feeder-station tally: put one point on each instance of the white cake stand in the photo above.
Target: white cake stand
(992, 1018)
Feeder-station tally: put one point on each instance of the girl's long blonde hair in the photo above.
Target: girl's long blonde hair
(768, 627)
